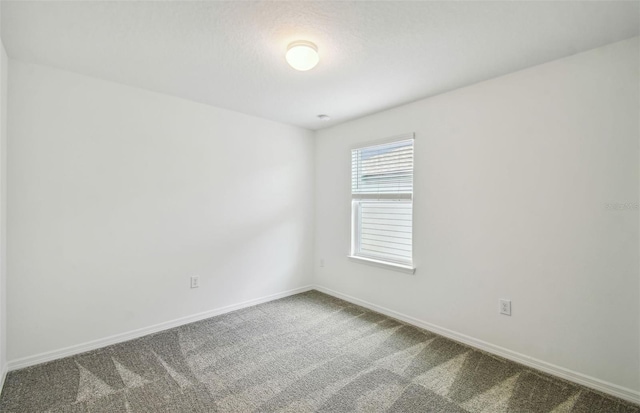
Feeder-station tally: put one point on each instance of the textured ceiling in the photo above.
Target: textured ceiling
(374, 55)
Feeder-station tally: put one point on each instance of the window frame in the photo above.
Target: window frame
(356, 199)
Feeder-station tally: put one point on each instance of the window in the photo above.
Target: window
(382, 203)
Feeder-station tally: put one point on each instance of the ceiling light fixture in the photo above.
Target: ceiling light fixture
(324, 117)
(302, 55)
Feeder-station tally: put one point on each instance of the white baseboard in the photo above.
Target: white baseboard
(570, 375)
(3, 376)
(119, 338)
(588, 381)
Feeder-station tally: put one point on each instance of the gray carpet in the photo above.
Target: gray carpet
(305, 353)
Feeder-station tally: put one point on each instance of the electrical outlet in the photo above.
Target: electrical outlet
(505, 307)
(195, 281)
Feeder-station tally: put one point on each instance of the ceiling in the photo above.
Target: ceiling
(373, 55)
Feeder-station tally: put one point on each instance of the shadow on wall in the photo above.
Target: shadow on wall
(244, 242)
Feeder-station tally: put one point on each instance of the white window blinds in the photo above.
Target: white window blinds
(383, 169)
(382, 209)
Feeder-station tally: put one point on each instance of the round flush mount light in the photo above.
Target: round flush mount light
(324, 117)
(302, 55)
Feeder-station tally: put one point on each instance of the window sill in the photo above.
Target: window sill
(409, 269)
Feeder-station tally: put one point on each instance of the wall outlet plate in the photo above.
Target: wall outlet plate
(195, 281)
(505, 307)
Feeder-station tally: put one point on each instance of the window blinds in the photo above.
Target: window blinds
(382, 187)
(385, 230)
(377, 171)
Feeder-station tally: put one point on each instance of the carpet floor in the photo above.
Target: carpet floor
(305, 353)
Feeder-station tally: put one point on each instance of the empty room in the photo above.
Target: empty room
(319, 206)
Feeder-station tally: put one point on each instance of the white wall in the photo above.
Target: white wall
(118, 195)
(512, 181)
(3, 210)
